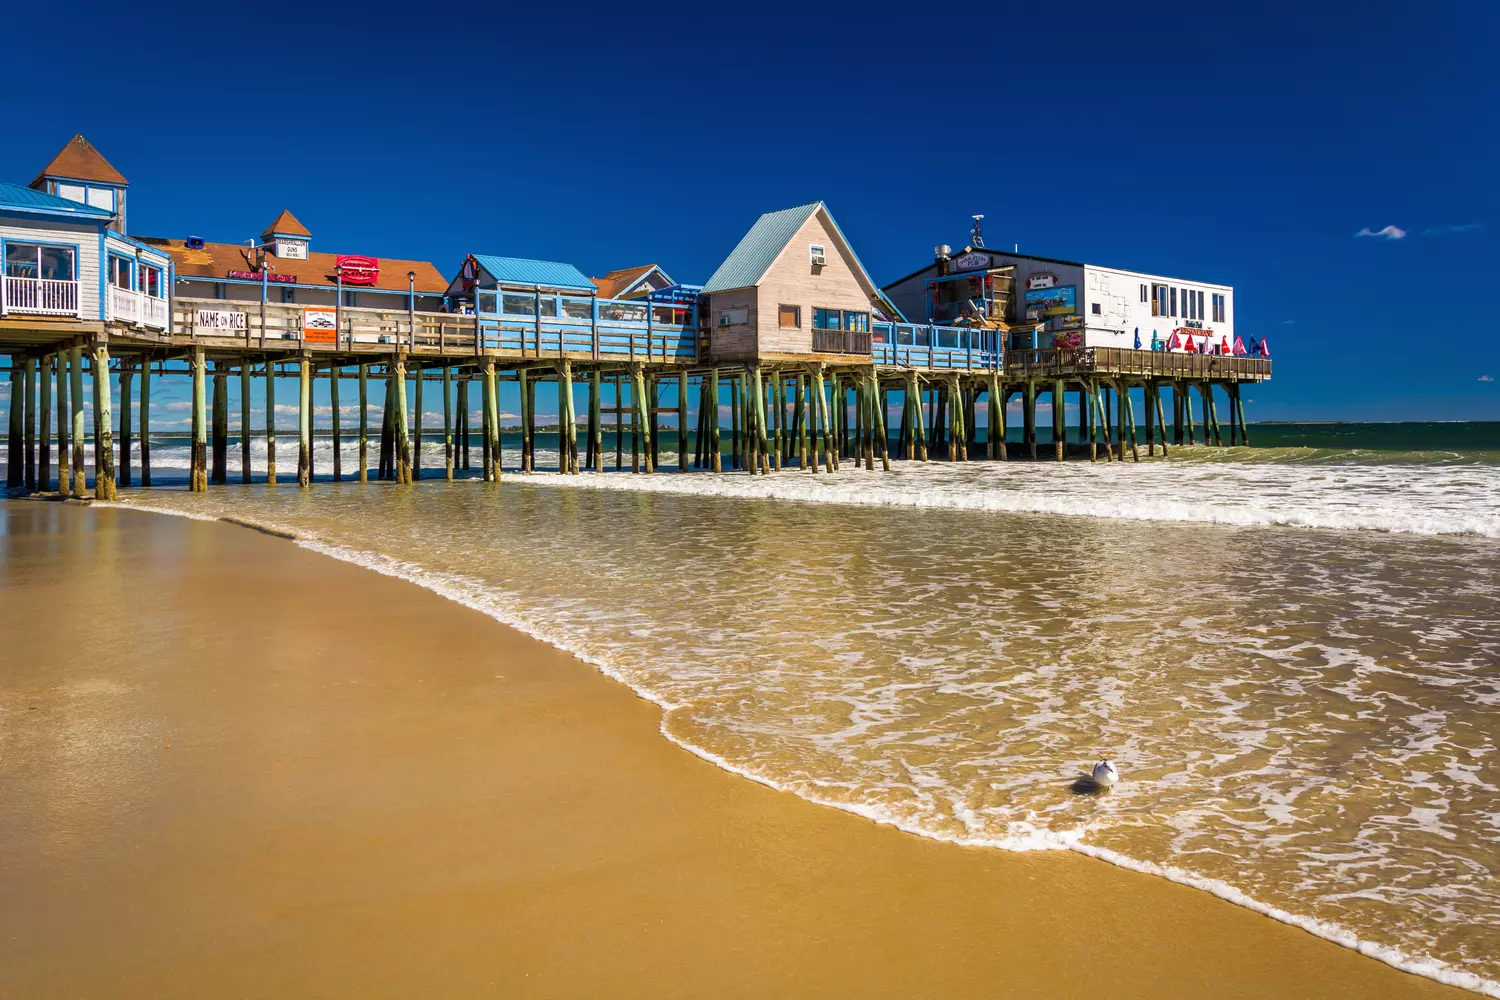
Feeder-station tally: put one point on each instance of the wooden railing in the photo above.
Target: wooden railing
(918, 345)
(38, 296)
(136, 308)
(840, 342)
(1048, 361)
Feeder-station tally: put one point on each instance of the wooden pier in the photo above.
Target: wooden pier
(808, 412)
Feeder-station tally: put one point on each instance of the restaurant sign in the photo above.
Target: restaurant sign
(271, 276)
(320, 324)
(357, 270)
(971, 261)
(219, 319)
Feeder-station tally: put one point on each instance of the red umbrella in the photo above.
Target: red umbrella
(1239, 346)
(1190, 346)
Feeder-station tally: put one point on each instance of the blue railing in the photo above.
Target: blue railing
(916, 345)
(662, 329)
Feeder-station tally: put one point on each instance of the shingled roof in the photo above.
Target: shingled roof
(286, 223)
(79, 160)
(215, 260)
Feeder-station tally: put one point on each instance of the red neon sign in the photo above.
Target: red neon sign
(358, 270)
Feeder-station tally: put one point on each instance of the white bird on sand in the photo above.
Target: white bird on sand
(1105, 774)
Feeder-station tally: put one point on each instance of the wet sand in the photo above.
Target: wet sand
(233, 767)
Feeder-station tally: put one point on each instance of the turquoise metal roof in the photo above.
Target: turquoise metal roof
(543, 273)
(747, 263)
(15, 198)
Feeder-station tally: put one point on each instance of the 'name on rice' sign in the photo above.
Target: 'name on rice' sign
(219, 321)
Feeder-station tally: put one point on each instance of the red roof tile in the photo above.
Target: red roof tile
(80, 161)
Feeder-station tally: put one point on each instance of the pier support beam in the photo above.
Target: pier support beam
(403, 433)
(304, 421)
(244, 420)
(64, 422)
(596, 420)
(123, 469)
(1149, 403)
(448, 423)
(416, 439)
(528, 427)
(1161, 420)
(642, 418)
(1028, 416)
(715, 447)
(1060, 419)
(198, 457)
(1239, 409)
(220, 424)
(15, 445)
(567, 421)
(270, 422)
(465, 459)
(1129, 404)
(364, 423)
(334, 419)
(682, 422)
(882, 440)
(30, 417)
(75, 379)
(44, 410)
(1211, 417)
(492, 407)
(104, 471)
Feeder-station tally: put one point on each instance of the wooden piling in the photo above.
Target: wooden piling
(465, 461)
(642, 416)
(220, 450)
(244, 423)
(335, 374)
(492, 400)
(1148, 402)
(523, 382)
(882, 441)
(448, 422)
(619, 423)
(104, 475)
(304, 421)
(270, 422)
(44, 411)
(568, 438)
(800, 419)
(1211, 416)
(1239, 408)
(486, 460)
(1187, 407)
(198, 458)
(29, 406)
(386, 462)
(75, 399)
(596, 419)
(1135, 452)
(64, 469)
(1028, 415)
(1059, 419)
(715, 445)
(682, 421)
(416, 438)
(1161, 420)
(15, 444)
(364, 422)
(123, 468)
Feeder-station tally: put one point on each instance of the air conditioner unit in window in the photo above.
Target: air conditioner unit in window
(819, 260)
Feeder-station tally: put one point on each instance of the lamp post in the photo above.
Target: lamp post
(411, 308)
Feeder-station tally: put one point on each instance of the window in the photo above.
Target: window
(1096, 309)
(485, 302)
(1172, 301)
(857, 321)
(72, 192)
(151, 281)
(1145, 295)
(102, 198)
(791, 317)
(289, 295)
(734, 317)
(1191, 298)
(1200, 305)
(816, 253)
(121, 271)
(1218, 303)
(828, 319)
(34, 260)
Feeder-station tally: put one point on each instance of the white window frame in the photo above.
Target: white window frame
(814, 251)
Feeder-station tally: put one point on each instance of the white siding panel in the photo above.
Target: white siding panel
(84, 235)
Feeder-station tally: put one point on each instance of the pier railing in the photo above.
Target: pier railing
(38, 296)
(917, 345)
(1052, 361)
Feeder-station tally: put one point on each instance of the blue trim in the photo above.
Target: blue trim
(102, 276)
(111, 257)
(285, 284)
(80, 180)
(163, 257)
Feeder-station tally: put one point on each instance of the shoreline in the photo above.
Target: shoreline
(1088, 887)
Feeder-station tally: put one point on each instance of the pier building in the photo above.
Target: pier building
(790, 342)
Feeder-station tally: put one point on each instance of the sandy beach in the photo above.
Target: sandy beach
(234, 767)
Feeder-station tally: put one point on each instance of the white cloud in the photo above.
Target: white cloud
(1486, 378)
(1385, 232)
(1464, 227)
(1288, 322)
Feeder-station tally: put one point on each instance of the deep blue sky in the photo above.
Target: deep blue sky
(1246, 147)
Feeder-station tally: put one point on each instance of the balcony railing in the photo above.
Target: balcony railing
(38, 296)
(136, 308)
(840, 342)
(1051, 361)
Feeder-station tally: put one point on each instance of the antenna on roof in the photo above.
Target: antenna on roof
(978, 237)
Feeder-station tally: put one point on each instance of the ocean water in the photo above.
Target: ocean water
(1291, 652)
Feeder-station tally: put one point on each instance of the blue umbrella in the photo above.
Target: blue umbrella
(1137, 338)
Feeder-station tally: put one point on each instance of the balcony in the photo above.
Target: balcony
(840, 342)
(136, 308)
(38, 297)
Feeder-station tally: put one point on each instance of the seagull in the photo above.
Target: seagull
(1105, 774)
